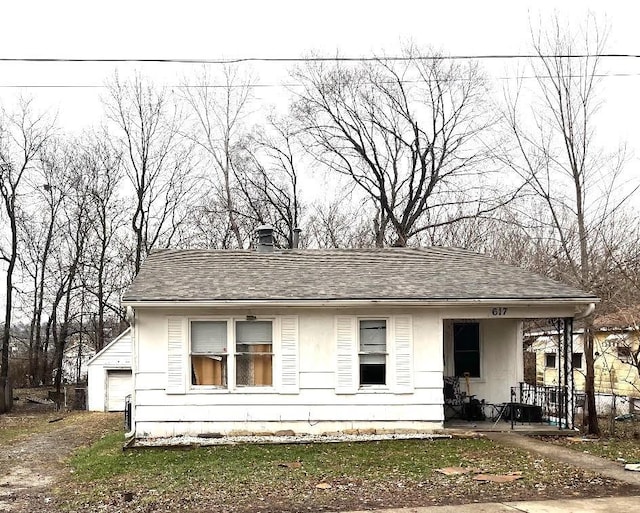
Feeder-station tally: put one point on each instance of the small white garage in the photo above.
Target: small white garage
(110, 378)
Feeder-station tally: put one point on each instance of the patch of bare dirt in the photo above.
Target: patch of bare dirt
(36, 441)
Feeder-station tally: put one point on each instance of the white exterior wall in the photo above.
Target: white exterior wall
(117, 355)
(317, 406)
(501, 364)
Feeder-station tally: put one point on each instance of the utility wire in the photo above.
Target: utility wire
(283, 84)
(325, 59)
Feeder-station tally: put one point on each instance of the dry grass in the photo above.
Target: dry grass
(352, 476)
(622, 444)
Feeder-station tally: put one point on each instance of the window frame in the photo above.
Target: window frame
(477, 322)
(232, 386)
(227, 355)
(386, 354)
(548, 355)
(236, 353)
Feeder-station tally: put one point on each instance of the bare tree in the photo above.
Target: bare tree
(22, 135)
(47, 189)
(103, 174)
(157, 163)
(557, 157)
(218, 112)
(76, 227)
(340, 223)
(268, 181)
(407, 133)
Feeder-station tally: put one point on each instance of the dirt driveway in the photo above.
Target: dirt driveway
(35, 443)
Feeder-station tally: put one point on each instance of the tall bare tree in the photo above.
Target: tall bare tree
(22, 135)
(47, 190)
(218, 113)
(268, 179)
(75, 227)
(556, 154)
(157, 164)
(407, 133)
(103, 174)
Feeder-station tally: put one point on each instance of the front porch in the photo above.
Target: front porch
(484, 380)
(532, 410)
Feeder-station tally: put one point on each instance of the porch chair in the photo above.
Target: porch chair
(454, 398)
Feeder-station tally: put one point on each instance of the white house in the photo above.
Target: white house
(75, 361)
(109, 375)
(321, 341)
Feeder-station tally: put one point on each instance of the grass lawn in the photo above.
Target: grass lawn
(310, 477)
(16, 427)
(623, 443)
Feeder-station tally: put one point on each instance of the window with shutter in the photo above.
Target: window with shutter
(373, 352)
(209, 353)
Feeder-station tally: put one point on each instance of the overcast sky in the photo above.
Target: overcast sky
(192, 29)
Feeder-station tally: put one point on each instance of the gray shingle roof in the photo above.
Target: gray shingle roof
(433, 273)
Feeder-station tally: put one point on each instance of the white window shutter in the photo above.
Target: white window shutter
(346, 355)
(289, 366)
(403, 354)
(176, 355)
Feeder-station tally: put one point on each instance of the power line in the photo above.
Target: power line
(281, 85)
(319, 59)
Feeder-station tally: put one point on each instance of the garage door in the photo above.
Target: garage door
(119, 385)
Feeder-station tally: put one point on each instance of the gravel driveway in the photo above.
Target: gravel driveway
(33, 458)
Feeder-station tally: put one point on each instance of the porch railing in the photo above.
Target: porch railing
(553, 401)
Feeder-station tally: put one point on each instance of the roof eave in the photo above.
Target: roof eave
(207, 303)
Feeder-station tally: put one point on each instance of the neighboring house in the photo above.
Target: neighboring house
(616, 349)
(77, 354)
(110, 379)
(321, 341)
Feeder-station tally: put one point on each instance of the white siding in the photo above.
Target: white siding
(412, 400)
(115, 356)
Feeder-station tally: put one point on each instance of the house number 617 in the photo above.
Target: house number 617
(501, 310)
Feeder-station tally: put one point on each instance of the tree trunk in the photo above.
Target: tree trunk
(589, 384)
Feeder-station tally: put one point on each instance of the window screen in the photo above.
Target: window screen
(208, 337)
(254, 332)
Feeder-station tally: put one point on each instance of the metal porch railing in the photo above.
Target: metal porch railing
(552, 403)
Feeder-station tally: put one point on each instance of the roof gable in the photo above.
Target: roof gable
(423, 274)
(118, 347)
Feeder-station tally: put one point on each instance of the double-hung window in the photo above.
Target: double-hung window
(254, 353)
(373, 352)
(209, 353)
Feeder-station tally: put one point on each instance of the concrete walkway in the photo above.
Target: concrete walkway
(608, 505)
(602, 466)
